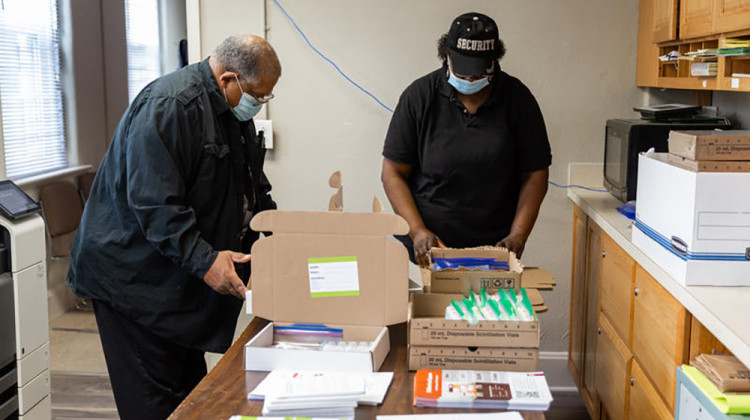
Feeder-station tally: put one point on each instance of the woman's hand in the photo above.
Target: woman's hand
(513, 242)
(423, 240)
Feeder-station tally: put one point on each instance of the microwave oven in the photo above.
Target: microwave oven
(624, 139)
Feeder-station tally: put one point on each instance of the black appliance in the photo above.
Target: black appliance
(625, 138)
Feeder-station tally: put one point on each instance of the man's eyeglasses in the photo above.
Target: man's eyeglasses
(259, 100)
(262, 100)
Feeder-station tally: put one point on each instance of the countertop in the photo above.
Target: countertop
(725, 311)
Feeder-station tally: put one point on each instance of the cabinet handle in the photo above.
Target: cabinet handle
(635, 292)
(598, 330)
(604, 254)
(632, 381)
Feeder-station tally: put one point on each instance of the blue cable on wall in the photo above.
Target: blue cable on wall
(577, 186)
(329, 60)
(375, 97)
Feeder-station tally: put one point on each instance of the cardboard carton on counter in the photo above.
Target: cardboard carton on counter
(473, 358)
(460, 280)
(710, 145)
(332, 268)
(437, 343)
(428, 326)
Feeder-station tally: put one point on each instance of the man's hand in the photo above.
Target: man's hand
(223, 278)
(513, 242)
(423, 240)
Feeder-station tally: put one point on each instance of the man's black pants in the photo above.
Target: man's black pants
(150, 375)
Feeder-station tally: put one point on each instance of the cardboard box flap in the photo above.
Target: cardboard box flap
(380, 224)
(282, 267)
(537, 278)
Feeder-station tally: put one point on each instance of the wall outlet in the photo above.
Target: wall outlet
(266, 127)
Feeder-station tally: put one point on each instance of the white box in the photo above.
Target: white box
(259, 355)
(285, 291)
(696, 225)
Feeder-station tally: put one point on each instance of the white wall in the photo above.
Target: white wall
(577, 57)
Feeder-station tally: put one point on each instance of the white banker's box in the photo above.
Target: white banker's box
(696, 225)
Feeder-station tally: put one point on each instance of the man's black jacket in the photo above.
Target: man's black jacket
(167, 197)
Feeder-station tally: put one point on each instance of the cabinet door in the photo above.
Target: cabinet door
(660, 334)
(577, 296)
(644, 401)
(732, 15)
(696, 18)
(613, 361)
(616, 288)
(665, 20)
(593, 271)
(647, 64)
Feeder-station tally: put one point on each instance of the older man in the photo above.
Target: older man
(162, 246)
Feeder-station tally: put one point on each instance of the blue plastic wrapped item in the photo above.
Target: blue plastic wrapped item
(628, 209)
(489, 264)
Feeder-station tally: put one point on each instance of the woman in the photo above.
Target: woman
(466, 155)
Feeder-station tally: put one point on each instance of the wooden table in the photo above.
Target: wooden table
(223, 392)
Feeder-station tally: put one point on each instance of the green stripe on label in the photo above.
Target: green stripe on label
(332, 294)
(331, 260)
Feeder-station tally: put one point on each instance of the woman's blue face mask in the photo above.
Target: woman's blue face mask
(466, 87)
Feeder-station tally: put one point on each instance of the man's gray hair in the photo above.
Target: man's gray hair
(248, 58)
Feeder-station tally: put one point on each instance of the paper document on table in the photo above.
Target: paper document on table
(333, 276)
(278, 418)
(376, 384)
(506, 415)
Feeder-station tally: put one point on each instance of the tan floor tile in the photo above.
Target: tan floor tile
(72, 351)
(75, 320)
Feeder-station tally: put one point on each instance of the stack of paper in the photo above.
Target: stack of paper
(334, 394)
(725, 371)
(481, 389)
(706, 68)
(734, 42)
(313, 394)
(726, 402)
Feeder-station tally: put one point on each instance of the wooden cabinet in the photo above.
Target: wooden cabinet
(644, 402)
(584, 309)
(578, 297)
(613, 361)
(732, 15)
(647, 68)
(663, 328)
(687, 26)
(616, 288)
(665, 20)
(593, 273)
(696, 18)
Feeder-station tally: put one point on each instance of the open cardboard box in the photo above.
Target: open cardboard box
(428, 326)
(462, 279)
(291, 285)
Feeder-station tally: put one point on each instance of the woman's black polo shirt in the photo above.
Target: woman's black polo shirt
(466, 168)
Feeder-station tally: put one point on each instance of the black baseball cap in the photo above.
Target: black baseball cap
(473, 43)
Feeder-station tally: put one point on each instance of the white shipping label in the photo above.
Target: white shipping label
(333, 276)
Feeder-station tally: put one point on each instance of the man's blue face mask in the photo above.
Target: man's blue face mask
(248, 107)
(466, 87)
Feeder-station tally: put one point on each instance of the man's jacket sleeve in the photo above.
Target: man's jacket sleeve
(162, 149)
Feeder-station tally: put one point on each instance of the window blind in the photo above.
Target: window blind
(30, 89)
(142, 23)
